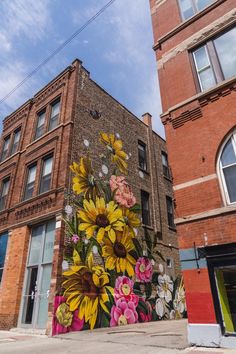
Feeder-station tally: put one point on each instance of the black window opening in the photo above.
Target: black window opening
(3, 249)
(46, 175)
(146, 220)
(40, 127)
(30, 182)
(170, 212)
(4, 193)
(54, 115)
(191, 7)
(165, 165)
(5, 148)
(16, 140)
(215, 61)
(142, 156)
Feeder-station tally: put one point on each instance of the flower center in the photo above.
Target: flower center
(142, 268)
(125, 289)
(102, 220)
(119, 250)
(88, 287)
(122, 321)
(63, 315)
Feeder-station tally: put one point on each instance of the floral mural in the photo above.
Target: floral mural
(111, 276)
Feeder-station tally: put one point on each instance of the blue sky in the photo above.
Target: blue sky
(116, 49)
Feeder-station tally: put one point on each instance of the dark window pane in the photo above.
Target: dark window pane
(40, 124)
(45, 182)
(226, 49)
(54, 118)
(15, 142)
(5, 148)
(4, 192)
(3, 248)
(228, 156)
(145, 208)
(187, 9)
(170, 212)
(29, 188)
(230, 180)
(165, 165)
(142, 156)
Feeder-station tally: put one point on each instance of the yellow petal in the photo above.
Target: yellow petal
(100, 234)
(112, 235)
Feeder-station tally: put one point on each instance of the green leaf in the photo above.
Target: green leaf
(155, 278)
(136, 208)
(148, 239)
(148, 289)
(138, 247)
(160, 255)
(142, 307)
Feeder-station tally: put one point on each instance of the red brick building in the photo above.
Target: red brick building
(194, 42)
(39, 142)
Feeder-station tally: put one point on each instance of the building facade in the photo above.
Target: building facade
(39, 142)
(196, 59)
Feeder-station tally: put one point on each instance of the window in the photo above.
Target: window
(142, 156)
(5, 148)
(15, 143)
(3, 249)
(54, 117)
(4, 193)
(40, 124)
(190, 7)
(165, 165)
(170, 212)
(29, 188)
(228, 169)
(169, 262)
(216, 60)
(45, 180)
(145, 208)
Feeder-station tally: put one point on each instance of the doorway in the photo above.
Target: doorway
(34, 308)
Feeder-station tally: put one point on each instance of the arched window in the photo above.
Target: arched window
(227, 164)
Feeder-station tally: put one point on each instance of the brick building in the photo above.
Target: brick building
(39, 142)
(196, 59)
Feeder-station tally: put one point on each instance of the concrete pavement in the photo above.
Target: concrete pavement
(164, 337)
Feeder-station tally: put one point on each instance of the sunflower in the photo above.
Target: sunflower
(101, 218)
(86, 288)
(118, 156)
(131, 219)
(84, 181)
(117, 253)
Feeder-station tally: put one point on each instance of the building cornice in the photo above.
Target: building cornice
(185, 24)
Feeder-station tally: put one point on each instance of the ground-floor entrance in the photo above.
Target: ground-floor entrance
(34, 304)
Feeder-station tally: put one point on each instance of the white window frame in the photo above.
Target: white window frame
(223, 186)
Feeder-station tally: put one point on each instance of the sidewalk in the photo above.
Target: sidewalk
(164, 337)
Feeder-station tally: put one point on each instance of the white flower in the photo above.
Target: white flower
(179, 301)
(127, 157)
(86, 142)
(105, 169)
(165, 287)
(95, 250)
(68, 209)
(136, 231)
(160, 308)
(100, 174)
(130, 154)
(86, 241)
(118, 135)
(172, 314)
(65, 265)
(153, 262)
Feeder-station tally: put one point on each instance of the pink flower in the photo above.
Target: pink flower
(123, 194)
(63, 320)
(143, 269)
(123, 313)
(75, 238)
(146, 317)
(124, 289)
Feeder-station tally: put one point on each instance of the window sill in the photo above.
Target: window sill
(168, 178)
(147, 227)
(172, 228)
(144, 171)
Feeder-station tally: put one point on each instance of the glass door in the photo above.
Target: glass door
(225, 277)
(38, 276)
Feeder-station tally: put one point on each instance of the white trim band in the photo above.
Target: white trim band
(195, 181)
